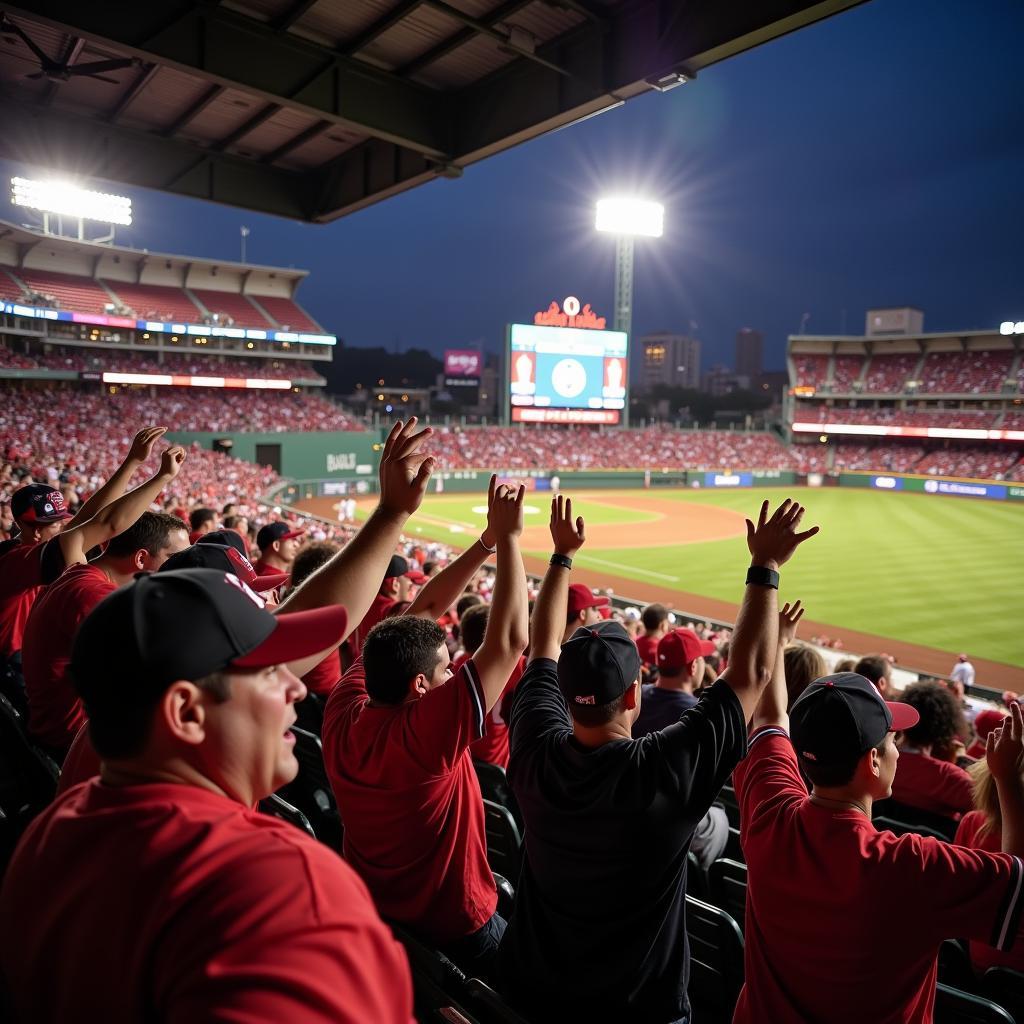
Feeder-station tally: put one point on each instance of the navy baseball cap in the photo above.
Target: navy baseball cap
(598, 664)
(276, 531)
(39, 503)
(839, 718)
(227, 558)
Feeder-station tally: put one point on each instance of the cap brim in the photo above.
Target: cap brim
(903, 716)
(298, 635)
(30, 517)
(290, 535)
(269, 581)
(706, 648)
(599, 602)
(418, 578)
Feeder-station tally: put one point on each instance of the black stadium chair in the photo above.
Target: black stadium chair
(310, 791)
(310, 711)
(439, 987)
(733, 848)
(728, 881)
(716, 962)
(28, 777)
(494, 786)
(925, 823)
(488, 1006)
(506, 894)
(504, 841)
(727, 798)
(696, 878)
(276, 807)
(955, 966)
(1005, 987)
(955, 1007)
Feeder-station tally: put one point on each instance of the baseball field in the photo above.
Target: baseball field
(920, 576)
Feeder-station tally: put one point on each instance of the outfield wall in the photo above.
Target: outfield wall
(964, 488)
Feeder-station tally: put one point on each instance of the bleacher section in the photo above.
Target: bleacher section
(888, 374)
(232, 308)
(969, 373)
(847, 369)
(157, 302)
(67, 291)
(9, 288)
(288, 314)
(810, 370)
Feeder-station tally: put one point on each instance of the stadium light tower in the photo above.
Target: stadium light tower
(625, 218)
(67, 200)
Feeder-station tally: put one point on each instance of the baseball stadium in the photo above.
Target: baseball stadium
(319, 703)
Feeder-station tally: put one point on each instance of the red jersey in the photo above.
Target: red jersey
(824, 940)
(932, 785)
(190, 907)
(321, 680)
(411, 803)
(648, 648)
(24, 570)
(55, 710)
(493, 745)
(984, 956)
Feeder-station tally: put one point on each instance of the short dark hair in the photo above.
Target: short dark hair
(200, 516)
(396, 651)
(231, 522)
(873, 667)
(150, 532)
(473, 626)
(310, 558)
(941, 716)
(829, 775)
(593, 716)
(120, 724)
(654, 615)
(465, 602)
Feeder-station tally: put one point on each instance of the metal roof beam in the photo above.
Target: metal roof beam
(242, 53)
(192, 111)
(260, 117)
(145, 76)
(292, 15)
(380, 26)
(296, 141)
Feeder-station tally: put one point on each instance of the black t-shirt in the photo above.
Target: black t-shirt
(598, 932)
(660, 708)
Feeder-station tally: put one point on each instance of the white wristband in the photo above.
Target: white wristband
(490, 551)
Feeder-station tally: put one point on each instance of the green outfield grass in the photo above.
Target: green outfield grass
(944, 572)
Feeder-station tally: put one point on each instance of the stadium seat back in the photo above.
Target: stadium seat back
(488, 1005)
(728, 882)
(955, 1007)
(955, 966)
(733, 847)
(504, 841)
(28, 777)
(696, 878)
(310, 711)
(506, 894)
(311, 791)
(728, 799)
(494, 786)
(440, 991)
(937, 824)
(1005, 987)
(277, 807)
(716, 961)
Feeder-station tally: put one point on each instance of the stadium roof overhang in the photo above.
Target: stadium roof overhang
(312, 109)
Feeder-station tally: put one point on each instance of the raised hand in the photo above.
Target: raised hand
(566, 535)
(505, 514)
(172, 460)
(1004, 748)
(773, 541)
(142, 444)
(404, 468)
(488, 536)
(789, 617)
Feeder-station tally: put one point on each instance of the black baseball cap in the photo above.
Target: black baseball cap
(276, 531)
(598, 664)
(226, 558)
(839, 718)
(39, 503)
(186, 625)
(232, 538)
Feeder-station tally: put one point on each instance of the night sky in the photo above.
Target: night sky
(876, 158)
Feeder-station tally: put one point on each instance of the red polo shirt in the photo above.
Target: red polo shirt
(55, 710)
(189, 907)
(932, 785)
(844, 922)
(24, 570)
(411, 803)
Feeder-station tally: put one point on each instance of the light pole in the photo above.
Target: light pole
(625, 218)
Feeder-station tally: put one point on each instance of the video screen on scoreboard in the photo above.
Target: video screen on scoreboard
(566, 374)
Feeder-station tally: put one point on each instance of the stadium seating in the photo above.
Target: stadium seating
(277, 807)
(288, 314)
(810, 370)
(504, 841)
(232, 309)
(972, 373)
(955, 1007)
(9, 287)
(728, 882)
(716, 960)
(888, 374)
(310, 791)
(157, 302)
(65, 291)
(846, 371)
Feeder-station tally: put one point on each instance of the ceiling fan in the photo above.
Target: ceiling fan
(61, 71)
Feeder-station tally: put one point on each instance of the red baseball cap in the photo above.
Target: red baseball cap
(679, 647)
(581, 596)
(419, 578)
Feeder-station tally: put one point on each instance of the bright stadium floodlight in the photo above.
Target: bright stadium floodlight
(69, 200)
(625, 216)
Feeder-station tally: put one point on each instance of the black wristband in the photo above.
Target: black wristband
(563, 560)
(762, 577)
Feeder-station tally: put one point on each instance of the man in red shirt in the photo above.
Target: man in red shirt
(821, 878)
(656, 625)
(55, 710)
(208, 910)
(51, 539)
(278, 544)
(396, 588)
(582, 608)
(396, 736)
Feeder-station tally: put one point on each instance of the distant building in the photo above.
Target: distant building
(720, 380)
(749, 345)
(895, 321)
(670, 359)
